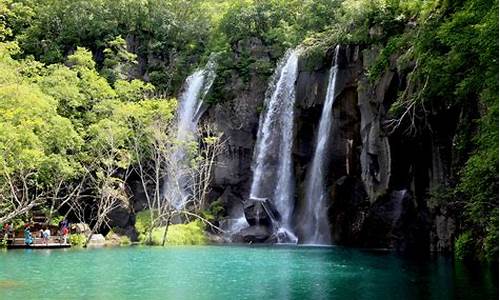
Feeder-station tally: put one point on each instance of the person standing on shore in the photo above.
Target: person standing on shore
(65, 234)
(46, 235)
(28, 239)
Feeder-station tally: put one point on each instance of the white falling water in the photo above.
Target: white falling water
(315, 226)
(197, 85)
(273, 172)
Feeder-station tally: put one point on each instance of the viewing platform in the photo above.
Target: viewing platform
(38, 243)
(16, 238)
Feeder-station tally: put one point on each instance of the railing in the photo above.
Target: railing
(38, 241)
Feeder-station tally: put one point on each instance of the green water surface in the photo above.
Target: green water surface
(232, 272)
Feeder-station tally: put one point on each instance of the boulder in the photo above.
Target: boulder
(80, 228)
(256, 214)
(97, 240)
(113, 239)
(214, 238)
(116, 239)
(261, 212)
(253, 234)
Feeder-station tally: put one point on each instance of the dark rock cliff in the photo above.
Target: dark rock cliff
(379, 180)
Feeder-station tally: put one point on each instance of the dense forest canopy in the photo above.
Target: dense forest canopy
(82, 78)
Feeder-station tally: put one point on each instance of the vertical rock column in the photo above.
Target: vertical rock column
(375, 154)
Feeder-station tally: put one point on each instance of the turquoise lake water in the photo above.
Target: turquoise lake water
(235, 272)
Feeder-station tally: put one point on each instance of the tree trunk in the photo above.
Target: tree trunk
(165, 232)
(150, 235)
(88, 238)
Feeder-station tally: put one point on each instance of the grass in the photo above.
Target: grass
(192, 233)
(181, 234)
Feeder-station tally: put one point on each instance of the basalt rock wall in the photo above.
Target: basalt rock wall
(380, 177)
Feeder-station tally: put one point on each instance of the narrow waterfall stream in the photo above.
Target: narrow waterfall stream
(273, 170)
(197, 85)
(314, 225)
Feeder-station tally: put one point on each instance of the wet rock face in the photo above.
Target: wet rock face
(238, 119)
(374, 201)
(375, 155)
(349, 210)
(394, 222)
(442, 233)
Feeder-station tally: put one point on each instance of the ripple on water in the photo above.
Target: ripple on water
(217, 272)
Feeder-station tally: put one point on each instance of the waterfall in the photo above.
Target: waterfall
(177, 186)
(314, 226)
(272, 169)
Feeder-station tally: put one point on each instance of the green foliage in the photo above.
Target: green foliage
(15, 16)
(464, 246)
(47, 112)
(118, 62)
(133, 91)
(178, 234)
(181, 234)
(215, 211)
(32, 135)
(123, 240)
(172, 30)
(81, 59)
(451, 61)
(142, 224)
(439, 196)
(77, 239)
(55, 220)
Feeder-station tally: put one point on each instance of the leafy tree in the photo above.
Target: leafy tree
(118, 62)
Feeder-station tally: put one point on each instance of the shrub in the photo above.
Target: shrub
(215, 211)
(125, 240)
(181, 234)
(55, 220)
(142, 221)
(464, 246)
(117, 237)
(77, 239)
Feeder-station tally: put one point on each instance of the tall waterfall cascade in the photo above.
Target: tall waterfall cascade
(272, 166)
(314, 225)
(177, 186)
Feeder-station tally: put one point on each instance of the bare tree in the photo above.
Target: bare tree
(152, 163)
(199, 174)
(61, 193)
(155, 162)
(18, 194)
(105, 178)
(210, 147)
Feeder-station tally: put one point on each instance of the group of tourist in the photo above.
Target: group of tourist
(45, 233)
(7, 231)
